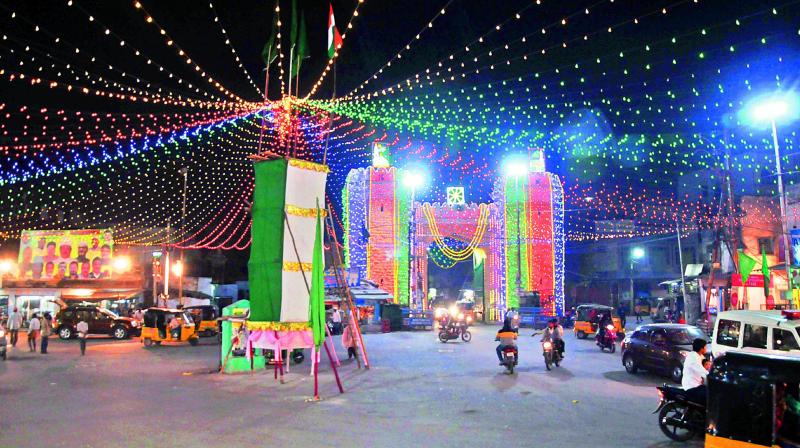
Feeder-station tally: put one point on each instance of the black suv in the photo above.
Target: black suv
(659, 348)
(100, 321)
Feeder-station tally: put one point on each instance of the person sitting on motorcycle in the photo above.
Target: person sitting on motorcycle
(603, 321)
(694, 373)
(555, 334)
(508, 338)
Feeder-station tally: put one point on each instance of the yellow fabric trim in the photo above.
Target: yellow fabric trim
(294, 210)
(311, 166)
(293, 266)
(278, 326)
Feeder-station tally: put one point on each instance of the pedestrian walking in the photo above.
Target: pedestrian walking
(621, 314)
(349, 341)
(336, 318)
(34, 326)
(83, 330)
(636, 309)
(47, 330)
(14, 323)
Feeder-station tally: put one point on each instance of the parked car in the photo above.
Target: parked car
(659, 348)
(763, 332)
(100, 320)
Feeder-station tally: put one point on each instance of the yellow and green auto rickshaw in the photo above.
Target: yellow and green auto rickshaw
(205, 319)
(586, 316)
(156, 327)
(753, 401)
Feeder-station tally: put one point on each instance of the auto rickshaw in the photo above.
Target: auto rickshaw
(583, 316)
(205, 319)
(753, 401)
(155, 327)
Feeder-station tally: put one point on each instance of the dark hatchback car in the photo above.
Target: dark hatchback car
(100, 321)
(659, 348)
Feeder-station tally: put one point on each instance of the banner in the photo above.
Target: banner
(73, 254)
(795, 234)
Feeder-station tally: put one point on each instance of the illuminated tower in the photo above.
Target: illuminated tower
(533, 202)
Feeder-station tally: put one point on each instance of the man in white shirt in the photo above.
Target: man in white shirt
(14, 323)
(336, 318)
(83, 332)
(34, 326)
(694, 374)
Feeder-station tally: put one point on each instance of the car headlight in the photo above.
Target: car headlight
(134, 324)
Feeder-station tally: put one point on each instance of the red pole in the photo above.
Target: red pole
(333, 364)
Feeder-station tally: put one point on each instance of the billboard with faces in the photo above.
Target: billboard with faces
(73, 254)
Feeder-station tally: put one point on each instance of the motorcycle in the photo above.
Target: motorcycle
(679, 418)
(509, 359)
(455, 328)
(608, 340)
(551, 354)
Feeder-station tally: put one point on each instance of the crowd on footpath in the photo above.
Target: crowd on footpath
(40, 328)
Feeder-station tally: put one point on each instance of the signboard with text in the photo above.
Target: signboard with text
(72, 254)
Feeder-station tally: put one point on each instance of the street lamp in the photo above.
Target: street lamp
(780, 106)
(6, 266)
(412, 179)
(517, 167)
(637, 253)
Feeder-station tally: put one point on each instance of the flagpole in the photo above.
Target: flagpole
(330, 118)
(266, 100)
(291, 59)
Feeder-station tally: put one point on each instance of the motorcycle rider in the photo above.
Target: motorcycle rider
(508, 338)
(512, 317)
(555, 334)
(603, 320)
(694, 372)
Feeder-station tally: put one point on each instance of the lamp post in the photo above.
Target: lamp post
(185, 172)
(770, 109)
(412, 180)
(637, 253)
(517, 167)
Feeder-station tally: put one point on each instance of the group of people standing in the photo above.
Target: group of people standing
(40, 328)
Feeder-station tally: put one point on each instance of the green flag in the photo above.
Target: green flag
(317, 307)
(765, 271)
(301, 50)
(746, 265)
(270, 51)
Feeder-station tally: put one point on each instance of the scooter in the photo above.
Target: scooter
(608, 340)
(679, 418)
(551, 354)
(509, 355)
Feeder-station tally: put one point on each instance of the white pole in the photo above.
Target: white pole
(782, 200)
(680, 260)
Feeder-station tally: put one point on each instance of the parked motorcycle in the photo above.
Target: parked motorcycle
(608, 340)
(551, 354)
(679, 418)
(456, 328)
(509, 359)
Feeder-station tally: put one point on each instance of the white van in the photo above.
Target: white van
(767, 332)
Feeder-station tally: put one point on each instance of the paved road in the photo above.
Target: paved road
(418, 392)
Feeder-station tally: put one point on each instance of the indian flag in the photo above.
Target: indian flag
(334, 38)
